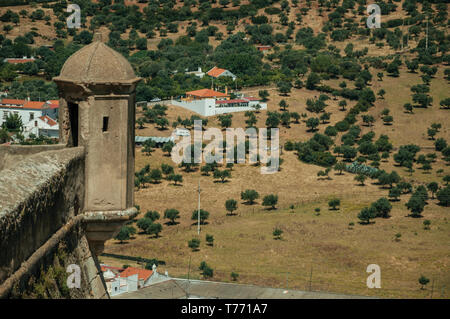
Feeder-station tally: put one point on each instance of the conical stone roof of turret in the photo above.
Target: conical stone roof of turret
(97, 63)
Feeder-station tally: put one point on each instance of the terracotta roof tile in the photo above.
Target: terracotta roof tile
(35, 105)
(13, 101)
(49, 121)
(143, 274)
(215, 72)
(18, 61)
(206, 93)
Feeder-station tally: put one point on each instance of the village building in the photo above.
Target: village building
(27, 110)
(119, 280)
(207, 102)
(199, 73)
(19, 60)
(51, 108)
(41, 126)
(216, 72)
(263, 47)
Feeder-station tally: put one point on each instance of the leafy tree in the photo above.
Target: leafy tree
(382, 207)
(148, 146)
(166, 169)
(416, 205)
(176, 178)
(225, 120)
(124, 234)
(222, 174)
(277, 233)
(392, 69)
(284, 87)
(7, 28)
(342, 105)
(209, 239)
(368, 119)
(263, 94)
(366, 214)
(360, 178)
(431, 132)
(433, 188)
(152, 215)
(445, 103)
(422, 99)
(249, 195)
(333, 203)
(172, 214)
(155, 175)
(270, 200)
(13, 123)
(348, 152)
(388, 119)
(312, 81)
(283, 105)
(423, 281)
(408, 107)
(331, 131)
(234, 276)
(394, 193)
(231, 205)
(203, 215)
(194, 244)
(312, 123)
(4, 136)
(443, 196)
(207, 272)
(144, 223)
(273, 119)
(154, 229)
(340, 166)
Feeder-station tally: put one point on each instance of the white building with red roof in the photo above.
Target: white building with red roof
(119, 280)
(19, 60)
(28, 110)
(207, 102)
(41, 126)
(216, 72)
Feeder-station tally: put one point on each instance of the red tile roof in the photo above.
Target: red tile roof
(104, 268)
(13, 101)
(35, 105)
(215, 72)
(16, 61)
(206, 93)
(48, 120)
(143, 274)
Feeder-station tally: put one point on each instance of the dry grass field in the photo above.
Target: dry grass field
(324, 243)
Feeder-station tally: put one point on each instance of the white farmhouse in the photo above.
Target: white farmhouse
(130, 279)
(28, 110)
(41, 126)
(207, 102)
(216, 72)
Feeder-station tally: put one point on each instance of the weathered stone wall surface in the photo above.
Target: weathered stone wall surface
(44, 274)
(11, 154)
(40, 198)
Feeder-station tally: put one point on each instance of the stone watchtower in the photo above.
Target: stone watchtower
(97, 97)
(60, 203)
